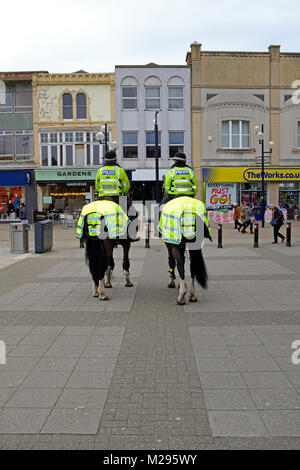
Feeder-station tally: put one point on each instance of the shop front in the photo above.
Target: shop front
(65, 190)
(16, 187)
(224, 186)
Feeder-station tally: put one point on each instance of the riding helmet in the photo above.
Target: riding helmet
(110, 156)
(179, 157)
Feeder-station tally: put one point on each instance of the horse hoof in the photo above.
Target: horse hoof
(103, 297)
(193, 298)
(171, 284)
(128, 284)
(95, 294)
(181, 301)
(108, 286)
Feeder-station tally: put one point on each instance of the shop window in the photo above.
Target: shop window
(130, 144)
(150, 145)
(175, 97)
(6, 143)
(44, 155)
(67, 102)
(81, 106)
(152, 97)
(69, 155)
(235, 134)
(129, 97)
(176, 142)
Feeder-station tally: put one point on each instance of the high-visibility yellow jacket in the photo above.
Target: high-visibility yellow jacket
(111, 180)
(178, 218)
(181, 180)
(115, 219)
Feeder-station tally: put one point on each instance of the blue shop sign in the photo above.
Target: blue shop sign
(14, 178)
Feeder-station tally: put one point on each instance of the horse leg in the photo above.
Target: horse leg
(110, 262)
(126, 263)
(172, 266)
(192, 295)
(101, 291)
(178, 254)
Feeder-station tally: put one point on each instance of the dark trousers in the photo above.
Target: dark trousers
(246, 224)
(277, 234)
(237, 224)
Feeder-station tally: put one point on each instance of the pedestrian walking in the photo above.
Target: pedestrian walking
(236, 216)
(277, 222)
(248, 219)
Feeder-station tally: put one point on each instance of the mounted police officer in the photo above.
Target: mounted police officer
(111, 180)
(111, 183)
(180, 179)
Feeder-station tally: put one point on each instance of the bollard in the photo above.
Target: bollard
(147, 240)
(288, 234)
(220, 236)
(81, 244)
(256, 235)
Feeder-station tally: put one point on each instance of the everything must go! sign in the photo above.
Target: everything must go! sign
(220, 195)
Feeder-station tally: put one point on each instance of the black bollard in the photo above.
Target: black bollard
(256, 235)
(220, 229)
(288, 233)
(81, 244)
(147, 240)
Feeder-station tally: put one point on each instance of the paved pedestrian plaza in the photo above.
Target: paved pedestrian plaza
(139, 371)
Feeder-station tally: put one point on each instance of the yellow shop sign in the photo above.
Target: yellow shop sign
(250, 175)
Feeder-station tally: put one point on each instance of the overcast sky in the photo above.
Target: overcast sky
(95, 35)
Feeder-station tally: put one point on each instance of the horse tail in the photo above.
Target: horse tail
(198, 268)
(95, 258)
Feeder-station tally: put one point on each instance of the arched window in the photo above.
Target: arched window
(152, 92)
(80, 106)
(67, 102)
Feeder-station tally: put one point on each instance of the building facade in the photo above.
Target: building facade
(69, 110)
(140, 92)
(17, 163)
(231, 93)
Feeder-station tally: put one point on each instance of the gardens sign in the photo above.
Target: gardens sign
(63, 175)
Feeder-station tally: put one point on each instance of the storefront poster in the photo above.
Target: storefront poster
(220, 217)
(220, 195)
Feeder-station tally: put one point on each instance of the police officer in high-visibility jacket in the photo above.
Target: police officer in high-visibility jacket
(111, 179)
(180, 179)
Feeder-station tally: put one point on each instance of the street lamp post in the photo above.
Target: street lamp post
(103, 137)
(260, 135)
(156, 153)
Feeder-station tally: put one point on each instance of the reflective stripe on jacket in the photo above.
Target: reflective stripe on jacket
(115, 219)
(112, 181)
(178, 218)
(181, 180)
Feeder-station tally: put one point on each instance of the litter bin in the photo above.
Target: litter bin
(19, 238)
(43, 236)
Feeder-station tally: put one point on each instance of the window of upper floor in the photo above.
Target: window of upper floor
(175, 94)
(298, 135)
(235, 134)
(130, 144)
(152, 97)
(176, 142)
(16, 102)
(150, 144)
(79, 102)
(129, 97)
(16, 145)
